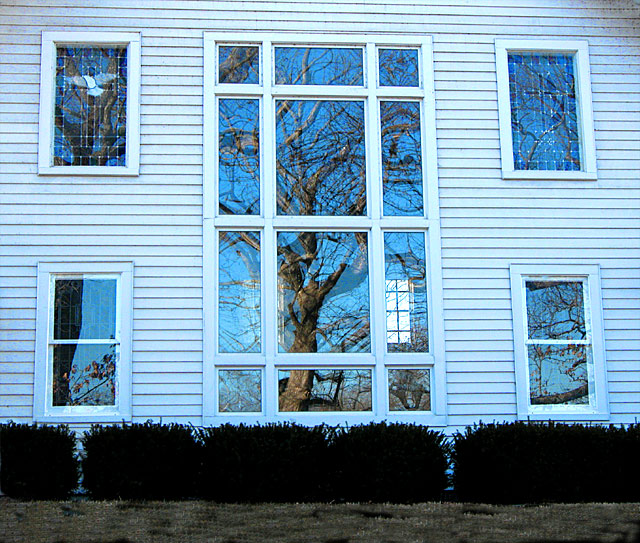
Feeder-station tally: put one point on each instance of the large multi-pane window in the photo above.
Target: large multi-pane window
(546, 126)
(320, 219)
(558, 338)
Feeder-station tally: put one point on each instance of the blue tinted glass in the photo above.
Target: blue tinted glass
(90, 119)
(318, 66)
(240, 391)
(401, 158)
(320, 157)
(555, 310)
(239, 156)
(398, 68)
(237, 64)
(544, 112)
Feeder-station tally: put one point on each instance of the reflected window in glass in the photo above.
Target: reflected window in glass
(90, 119)
(324, 390)
(319, 66)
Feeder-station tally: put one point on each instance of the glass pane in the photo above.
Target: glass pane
(90, 121)
(555, 310)
(409, 390)
(401, 158)
(84, 309)
(318, 66)
(544, 112)
(239, 293)
(240, 391)
(558, 374)
(398, 68)
(84, 374)
(323, 292)
(239, 160)
(406, 292)
(238, 64)
(320, 157)
(324, 390)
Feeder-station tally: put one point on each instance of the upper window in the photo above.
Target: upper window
(318, 210)
(558, 338)
(84, 341)
(89, 104)
(546, 125)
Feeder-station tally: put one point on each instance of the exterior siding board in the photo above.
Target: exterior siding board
(486, 223)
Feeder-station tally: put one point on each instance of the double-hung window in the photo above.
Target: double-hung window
(546, 121)
(83, 342)
(322, 248)
(558, 336)
(89, 103)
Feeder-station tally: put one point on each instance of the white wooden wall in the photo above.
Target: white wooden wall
(156, 218)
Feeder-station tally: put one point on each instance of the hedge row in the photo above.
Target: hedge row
(495, 463)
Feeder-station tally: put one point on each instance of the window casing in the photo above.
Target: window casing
(559, 342)
(260, 221)
(83, 342)
(544, 100)
(89, 104)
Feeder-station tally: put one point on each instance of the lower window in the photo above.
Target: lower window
(559, 341)
(83, 341)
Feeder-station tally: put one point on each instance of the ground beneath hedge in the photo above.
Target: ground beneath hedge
(196, 521)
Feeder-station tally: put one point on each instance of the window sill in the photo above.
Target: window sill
(546, 175)
(566, 417)
(103, 171)
(84, 418)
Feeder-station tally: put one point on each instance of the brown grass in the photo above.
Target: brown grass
(196, 521)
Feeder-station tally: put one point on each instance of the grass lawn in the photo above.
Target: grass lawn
(197, 521)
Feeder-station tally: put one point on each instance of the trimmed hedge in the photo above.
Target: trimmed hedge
(140, 461)
(37, 462)
(275, 462)
(547, 462)
(382, 462)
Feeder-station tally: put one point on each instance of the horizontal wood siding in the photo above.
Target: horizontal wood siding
(155, 219)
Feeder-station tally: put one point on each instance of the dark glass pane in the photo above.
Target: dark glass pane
(555, 310)
(240, 391)
(406, 292)
(84, 374)
(318, 66)
(409, 390)
(238, 64)
(84, 309)
(544, 112)
(558, 374)
(401, 158)
(398, 68)
(320, 157)
(239, 159)
(239, 293)
(323, 292)
(324, 390)
(90, 120)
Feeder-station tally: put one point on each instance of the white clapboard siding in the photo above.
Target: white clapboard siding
(155, 219)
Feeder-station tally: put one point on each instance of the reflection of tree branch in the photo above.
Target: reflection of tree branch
(561, 397)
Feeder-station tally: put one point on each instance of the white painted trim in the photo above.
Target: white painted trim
(50, 40)
(590, 275)
(43, 411)
(269, 223)
(583, 94)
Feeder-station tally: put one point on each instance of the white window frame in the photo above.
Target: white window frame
(580, 51)
(589, 274)
(51, 40)
(269, 223)
(43, 410)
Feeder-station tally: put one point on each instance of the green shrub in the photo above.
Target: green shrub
(140, 461)
(546, 462)
(381, 462)
(275, 462)
(37, 462)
